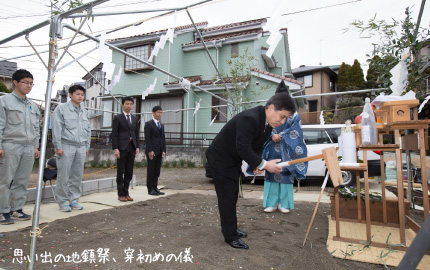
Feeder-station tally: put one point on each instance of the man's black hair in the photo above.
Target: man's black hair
(21, 74)
(75, 87)
(127, 98)
(282, 101)
(156, 108)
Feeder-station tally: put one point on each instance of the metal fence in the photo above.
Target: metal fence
(102, 137)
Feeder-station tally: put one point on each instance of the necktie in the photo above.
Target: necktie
(128, 119)
(159, 126)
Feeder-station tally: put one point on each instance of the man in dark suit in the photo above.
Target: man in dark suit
(155, 150)
(125, 143)
(242, 138)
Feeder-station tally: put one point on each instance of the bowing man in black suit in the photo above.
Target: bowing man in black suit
(155, 150)
(125, 143)
(242, 138)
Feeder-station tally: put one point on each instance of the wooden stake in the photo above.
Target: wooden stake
(313, 216)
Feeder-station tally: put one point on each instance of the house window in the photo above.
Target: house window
(143, 52)
(332, 85)
(108, 107)
(234, 50)
(100, 76)
(220, 117)
(313, 105)
(90, 82)
(307, 80)
(171, 119)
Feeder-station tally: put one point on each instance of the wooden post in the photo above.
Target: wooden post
(384, 200)
(400, 192)
(367, 199)
(424, 172)
(332, 163)
(357, 176)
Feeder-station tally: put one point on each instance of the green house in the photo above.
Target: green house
(238, 51)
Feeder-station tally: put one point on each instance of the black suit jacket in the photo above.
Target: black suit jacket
(122, 131)
(154, 138)
(242, 138)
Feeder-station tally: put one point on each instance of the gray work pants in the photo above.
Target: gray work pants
(15, 171)
(69, 177)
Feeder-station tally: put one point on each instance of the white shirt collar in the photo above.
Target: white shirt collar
(125, 114)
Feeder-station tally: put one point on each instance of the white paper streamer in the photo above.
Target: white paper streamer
(197, 107)
(400, 75)
(424, 103)
(322, 122)
(148, 90)
(117, 76)
(170, 34)
(213, 119)
(186, 84)
(109, 68)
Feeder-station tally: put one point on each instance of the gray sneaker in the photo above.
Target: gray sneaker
(19, 215)
(5, 219)
(76, 206)
(65, 208)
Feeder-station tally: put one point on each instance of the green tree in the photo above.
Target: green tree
(239, 75)
(3, 88)
(378, 74)
(343, 79)
(356, 76)
(394, 37)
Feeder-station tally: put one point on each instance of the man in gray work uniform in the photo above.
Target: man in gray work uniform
(19, 143)
(71, 136)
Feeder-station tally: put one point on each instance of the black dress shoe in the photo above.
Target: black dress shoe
(242, 234)
(153, 192)
(238, 244)
(159, 192)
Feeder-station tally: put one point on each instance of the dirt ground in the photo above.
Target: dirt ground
(170, 225)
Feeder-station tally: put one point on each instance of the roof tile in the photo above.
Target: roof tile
(275, 75)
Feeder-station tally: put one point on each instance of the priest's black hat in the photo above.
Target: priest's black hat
(281, 88)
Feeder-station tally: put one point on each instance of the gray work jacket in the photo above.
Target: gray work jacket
(70, 125)
(19, 120)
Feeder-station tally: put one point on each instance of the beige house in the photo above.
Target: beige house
(317, 80)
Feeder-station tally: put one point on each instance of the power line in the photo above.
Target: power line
(128, 4)
(312, 9)
(25, 16)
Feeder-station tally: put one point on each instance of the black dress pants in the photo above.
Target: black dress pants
(153, 171)
(227, 191)
(124, 171)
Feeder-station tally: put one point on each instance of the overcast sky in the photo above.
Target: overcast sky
(315, 36)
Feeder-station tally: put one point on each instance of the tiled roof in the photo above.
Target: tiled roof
(224, 36)
(7, 68)
(178, 28)
(191, 79)
(231, 25)
(305, 69)
(275, 75)
(211, 82)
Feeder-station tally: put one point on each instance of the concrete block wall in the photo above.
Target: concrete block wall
(88, 187)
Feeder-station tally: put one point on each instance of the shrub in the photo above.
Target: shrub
(174, 164)
(191, 164)
(93, 164)
(138, 164)
(182, 162)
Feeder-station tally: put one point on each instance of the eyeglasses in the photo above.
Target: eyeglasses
(28, 83)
